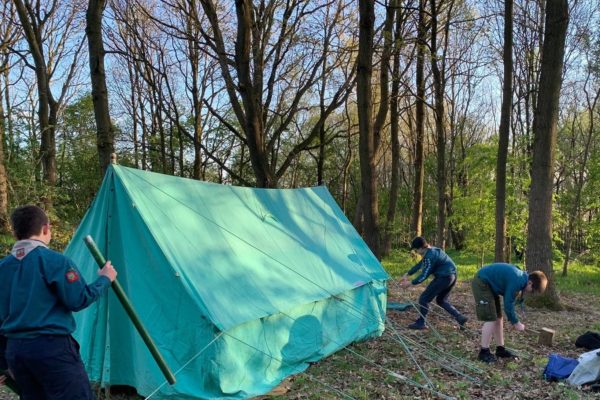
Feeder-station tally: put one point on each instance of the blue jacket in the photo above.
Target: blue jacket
(39, 292)
(435, 262)
(505, 280)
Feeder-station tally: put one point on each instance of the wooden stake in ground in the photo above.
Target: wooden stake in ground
(545, 336)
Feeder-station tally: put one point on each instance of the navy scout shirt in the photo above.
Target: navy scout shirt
(39, 290)
(435, 262)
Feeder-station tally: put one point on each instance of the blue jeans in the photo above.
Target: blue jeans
(48, 368)
(439, 288)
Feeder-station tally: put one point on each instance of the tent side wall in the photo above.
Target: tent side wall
(288, 342)
(253, 358)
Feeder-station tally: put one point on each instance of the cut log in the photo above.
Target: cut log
(546, 336)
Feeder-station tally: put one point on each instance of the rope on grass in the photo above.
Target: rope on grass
(457, 359)
(435, 356)
(407, 350)
(404, 378)
(438, 357)
(332, 388)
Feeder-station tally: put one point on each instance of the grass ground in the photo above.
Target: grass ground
(447, 357)
(400, 363)
(403, 361)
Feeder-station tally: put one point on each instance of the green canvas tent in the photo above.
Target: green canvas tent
(238, 287)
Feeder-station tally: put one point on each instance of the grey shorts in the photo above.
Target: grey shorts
(487, 304)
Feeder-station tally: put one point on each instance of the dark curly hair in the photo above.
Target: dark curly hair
(28, 221)
(418, 243)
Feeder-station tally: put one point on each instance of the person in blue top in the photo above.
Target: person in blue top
(39, 291)
(437, 263)
(508, 281)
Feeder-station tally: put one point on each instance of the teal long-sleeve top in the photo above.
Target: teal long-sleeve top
(39, 293)
(435, 262)
(505, 280)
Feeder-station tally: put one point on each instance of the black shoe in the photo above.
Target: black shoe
(486, 357)
(462, 320)
(418, 325)
(503, 353)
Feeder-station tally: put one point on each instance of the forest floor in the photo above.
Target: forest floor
(399, 364)
(385, 369)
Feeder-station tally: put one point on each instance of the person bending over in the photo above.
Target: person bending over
(508, 281)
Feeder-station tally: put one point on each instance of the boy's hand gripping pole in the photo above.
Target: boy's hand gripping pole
(100, 260)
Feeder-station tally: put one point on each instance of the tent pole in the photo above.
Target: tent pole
(100, 260)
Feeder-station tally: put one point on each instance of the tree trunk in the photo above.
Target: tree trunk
(133, 79)
(322, 129)
(4, 216)
(104, 130)
(172, 151)
(197, 94)
(321, 157)
(503, 135)
(438, 86)
(366, 135)
(417, 212)
(384, 75)
(45, 99)
(346, 166)
(248, 92)
(395, 139)
(9, 127)
(144, 145)
(539, 231)
(6, 41)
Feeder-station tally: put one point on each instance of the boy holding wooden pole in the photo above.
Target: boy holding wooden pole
(39, 291)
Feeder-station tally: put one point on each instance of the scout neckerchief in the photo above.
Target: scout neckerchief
(23, 247)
